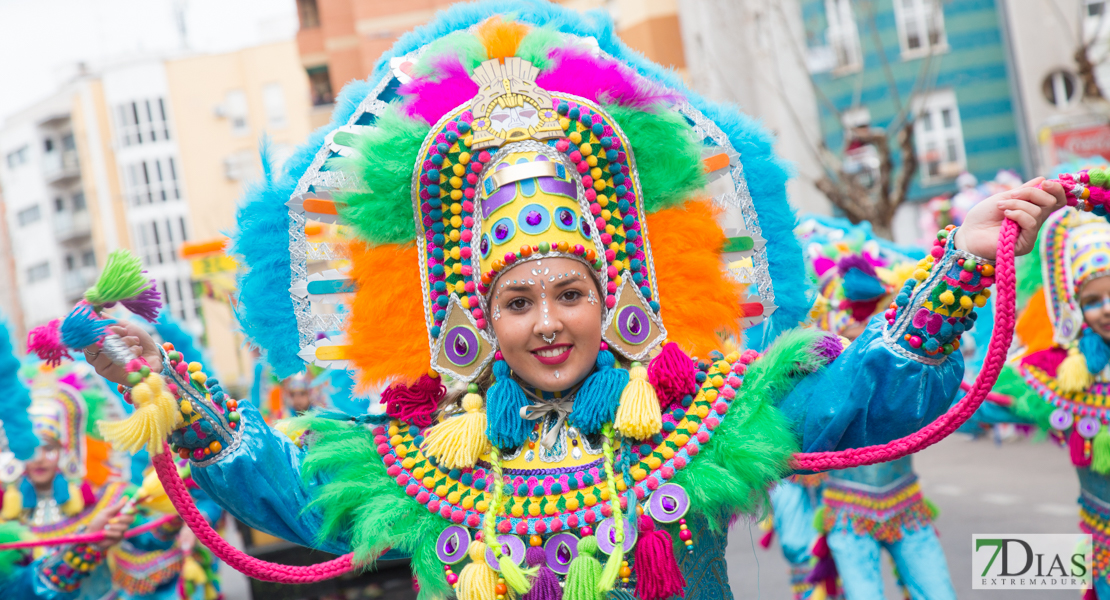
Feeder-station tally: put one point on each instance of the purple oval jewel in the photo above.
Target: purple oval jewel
(453, 543)
(533, 218)
(566, 217)
(634, 325)
(501, 231)
(484, 245)
(1061, 419)
(511, 546)
(560, 550)
(586, 228)
(462, 345)
(1088, 427)
(607, 536)
(668, 503)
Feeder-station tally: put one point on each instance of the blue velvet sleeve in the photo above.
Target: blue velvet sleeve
(870, 395)
(259, 482)
(905, 369)
(26, 582)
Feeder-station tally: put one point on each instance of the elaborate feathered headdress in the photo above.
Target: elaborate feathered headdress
(490, 142)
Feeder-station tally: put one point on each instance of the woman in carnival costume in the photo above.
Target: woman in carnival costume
(1059, 381)
(501, 179)
(38, 494)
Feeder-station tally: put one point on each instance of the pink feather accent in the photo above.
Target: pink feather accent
(46, 342)
(430, 99)
(73, 380)
(822, 264)
(578, 72)
(1046, 360)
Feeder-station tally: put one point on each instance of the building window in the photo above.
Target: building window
(273, 99)
(59, 204)
(17, 157)
(38, 272)
(1060, 88)
(319, 84)
(938, 137)
(235, 109)
(48, 145)
(1095, 8)
(152, 180)
(88, 259)
(142, 122)
(79, 201)
(159, 240)
(920, 26)
(308, 13)
(28, 215)
(843, 37)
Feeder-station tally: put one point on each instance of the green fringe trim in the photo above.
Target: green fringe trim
(122, 278)
(363, 504)
(11, 531)
(752, 447)
(384, 160)
(819, 519)
(667, 156)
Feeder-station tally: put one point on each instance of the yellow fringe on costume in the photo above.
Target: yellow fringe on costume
(156, 415)
(457, 442)
(639, 415)
(1072, 375)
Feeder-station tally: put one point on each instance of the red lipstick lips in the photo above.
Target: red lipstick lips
(556, 353)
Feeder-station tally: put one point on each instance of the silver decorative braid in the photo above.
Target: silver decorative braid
(116, 349)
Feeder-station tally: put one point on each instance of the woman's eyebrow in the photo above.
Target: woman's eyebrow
(518, 288)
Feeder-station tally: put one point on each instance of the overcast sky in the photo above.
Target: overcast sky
(42, 41)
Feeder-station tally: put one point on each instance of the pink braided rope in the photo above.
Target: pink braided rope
(999, 399)
(932, 433)
(86, 538)
(237, 559)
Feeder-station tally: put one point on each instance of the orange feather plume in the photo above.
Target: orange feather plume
(386, 325)
(701, 301)
(1034, 326)
(500, 38)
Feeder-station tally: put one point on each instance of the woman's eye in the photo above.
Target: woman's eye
(571, 295)
(517, 304)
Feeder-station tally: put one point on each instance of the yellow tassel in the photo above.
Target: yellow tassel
(192, 572)
(638, 415)
(156, 415)
(457, 442)
(476, 580)
(13, 503)
(152, 495)
(210, 592)
(818, 592)
(1072, 375)
(76, 502)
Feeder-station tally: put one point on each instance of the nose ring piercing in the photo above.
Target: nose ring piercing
(549, 341)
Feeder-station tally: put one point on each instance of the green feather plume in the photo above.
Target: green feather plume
(384, 160)
(361, 502)
(535, 46)
(11, 532)
(667, 155)
(122, 278)
(1029, 274)
(461, 44)
(752, 447)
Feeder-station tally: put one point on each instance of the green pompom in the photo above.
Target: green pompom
(1099, 177)
(122, 278)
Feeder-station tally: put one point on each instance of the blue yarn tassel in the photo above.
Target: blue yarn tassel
(15, 399)
(83, 327)
(596, 402)
(1095, 350)
(506, 428)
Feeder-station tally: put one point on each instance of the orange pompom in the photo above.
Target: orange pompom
(501, 38)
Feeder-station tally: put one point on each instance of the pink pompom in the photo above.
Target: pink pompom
(672, 374)
(46, 342)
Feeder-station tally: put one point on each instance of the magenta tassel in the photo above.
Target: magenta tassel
(546, 584)
(1076, 447)
(765, 541)
(672, 374)
(46, 342)
(146, 304)
(416, 404)
(657, 572)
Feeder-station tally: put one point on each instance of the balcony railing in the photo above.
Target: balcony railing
(69, 225)
(77, 281)
(60, 167)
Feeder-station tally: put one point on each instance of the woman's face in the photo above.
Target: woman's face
(1094, 299)
(43, 466)
(547, 317)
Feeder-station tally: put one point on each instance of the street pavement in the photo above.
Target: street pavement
(1019, 486)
